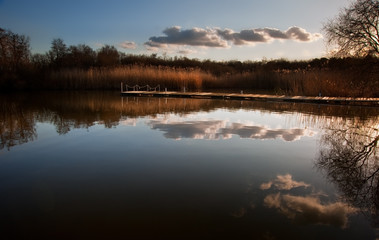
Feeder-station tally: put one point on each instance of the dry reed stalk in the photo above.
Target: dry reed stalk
(290, 82)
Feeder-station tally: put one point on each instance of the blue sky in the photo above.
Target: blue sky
(204, 29)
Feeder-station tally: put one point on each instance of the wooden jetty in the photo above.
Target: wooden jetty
(256, 97)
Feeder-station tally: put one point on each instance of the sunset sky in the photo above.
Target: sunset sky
(204, 29)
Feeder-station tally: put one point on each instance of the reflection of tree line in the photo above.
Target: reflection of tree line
(349, 157)
(16, 125)
(82, 110)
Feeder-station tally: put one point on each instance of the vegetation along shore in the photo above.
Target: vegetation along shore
(79, 67)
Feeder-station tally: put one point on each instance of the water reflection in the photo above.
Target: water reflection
(217, 129)
(349, 157)
(283, 182)
(17, 126)
(309, 209)
(67, 111)
(113, 169)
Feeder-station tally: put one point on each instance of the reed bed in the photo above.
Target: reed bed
(301, 82)
(110, 78)
(312, 82)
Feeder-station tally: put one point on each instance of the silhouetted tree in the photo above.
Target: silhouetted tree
(57, 52)
(81, 56)
(108, 56)
(14, 51)
(356, 29)
(40, 61)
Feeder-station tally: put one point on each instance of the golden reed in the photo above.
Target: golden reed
(288, 82)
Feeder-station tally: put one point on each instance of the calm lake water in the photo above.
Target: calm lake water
(99, 166)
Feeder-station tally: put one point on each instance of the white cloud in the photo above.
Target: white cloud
(264, 35)
(192, 37)
(300, 34)
(216, 37)
(128, 45)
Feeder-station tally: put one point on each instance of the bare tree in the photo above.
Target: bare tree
(14, 50)
(57, 52)
(81, 56)
(355, 30)
(108, 56)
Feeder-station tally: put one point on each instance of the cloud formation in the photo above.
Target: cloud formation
(309, 210)
(262, 35)
(215, 37)
(283, 182)
(216, 129)
(192, 37)
(128, 45)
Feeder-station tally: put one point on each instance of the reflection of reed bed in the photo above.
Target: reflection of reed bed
(135, 107)
(102, 105)
(69, 110)
(141, 106)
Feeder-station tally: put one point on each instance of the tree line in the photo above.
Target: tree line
(19, 68)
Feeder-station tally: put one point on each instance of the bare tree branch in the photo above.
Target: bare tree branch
(355, 31)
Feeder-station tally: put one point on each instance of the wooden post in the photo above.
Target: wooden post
(121, 87)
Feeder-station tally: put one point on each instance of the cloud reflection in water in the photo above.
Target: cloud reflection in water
(217, 129)
(305, 209)
(309, 210)
(189, 129)
(283, 182)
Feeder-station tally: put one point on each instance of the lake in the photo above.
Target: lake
(95, 165)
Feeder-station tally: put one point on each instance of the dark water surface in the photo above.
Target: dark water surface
(99, 166)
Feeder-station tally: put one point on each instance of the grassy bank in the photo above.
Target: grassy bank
(290, 82)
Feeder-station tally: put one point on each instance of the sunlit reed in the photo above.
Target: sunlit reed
(280, 82)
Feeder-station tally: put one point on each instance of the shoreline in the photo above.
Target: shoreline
(257, 97)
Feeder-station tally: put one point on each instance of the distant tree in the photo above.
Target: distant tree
(108, 56)
(356, 29)
(57, 52)
(81, 56)
(40, 61)
(14, 51)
